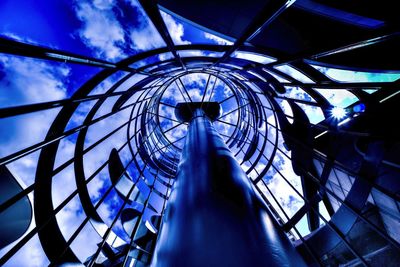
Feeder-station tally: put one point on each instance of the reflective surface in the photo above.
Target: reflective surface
(214, 217)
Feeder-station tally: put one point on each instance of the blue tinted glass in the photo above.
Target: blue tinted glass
(357, 76)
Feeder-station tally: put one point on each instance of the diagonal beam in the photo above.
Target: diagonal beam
(314, 55)
(34, 51)
(342, 85)
(263, 19)
(151, 9)
(356, 45)
(24, 109)
(184, 89)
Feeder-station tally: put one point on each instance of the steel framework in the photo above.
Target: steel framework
(348, 166)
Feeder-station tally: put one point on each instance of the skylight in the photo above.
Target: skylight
(294, 73)
(109, 72)
(341, 75)
(262, 59)
(338, 97)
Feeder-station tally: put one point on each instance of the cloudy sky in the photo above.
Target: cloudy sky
(112, 30)
(109, 30)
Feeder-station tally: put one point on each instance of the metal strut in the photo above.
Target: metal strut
(214, 217)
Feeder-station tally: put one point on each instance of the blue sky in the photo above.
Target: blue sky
(109, 30)
(112, 30)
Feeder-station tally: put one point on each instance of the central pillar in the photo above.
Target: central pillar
(214, 217)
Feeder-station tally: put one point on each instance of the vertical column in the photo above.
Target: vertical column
(213, 216)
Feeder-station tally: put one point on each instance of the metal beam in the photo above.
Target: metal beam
(28, 50)
(263, 19)
(151, 9)
(221, 203)
(345, 48)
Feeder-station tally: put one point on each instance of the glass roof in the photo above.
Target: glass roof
(130, 108)
(342, 75)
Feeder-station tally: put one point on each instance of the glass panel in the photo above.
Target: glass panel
(224, 128)
(286, 109)
(238, 76)
(314, 114)
(139, 32)
(298, 93)
(294, 73)
(165, 56)
(70, 217)
(253, 57)
(256, 89)
(108, 209)
(214, 39)
(195, 84)
(152, 59)
(229, 105)
(265, 189)
(343, 180)
(290, 200)
(231, 66)
(130, 82)
(185, 32)
(26, 81)
(257, 75)
(53, 24)
(91, 28)
(302, 226)
(107, 83)
(338, 97)
(13, 130)
(370, 91)
(276, 76)
(356, 76)
(199, 53)
(30, 255)
(63, 185)
(86, 242)
(323, 211)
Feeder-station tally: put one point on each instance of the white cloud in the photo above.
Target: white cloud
(191, 53)
(262, 59)
(144, 36)
(33, 81)
(225, 128)
(176, 29)
(173, 94)
(216, 39)
(101, 29)
(165, 56)
(26, 81)
(195, 80)
(286, 109)
(285, 194)
(30, 81)
(30, 255)
(64, 184)
(293, 72)
(104, 33)
(103, 4)
(22, 39)
(297, 93)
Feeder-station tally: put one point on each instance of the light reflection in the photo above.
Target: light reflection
(338, 113)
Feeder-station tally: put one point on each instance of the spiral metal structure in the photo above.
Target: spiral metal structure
(331, 166)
